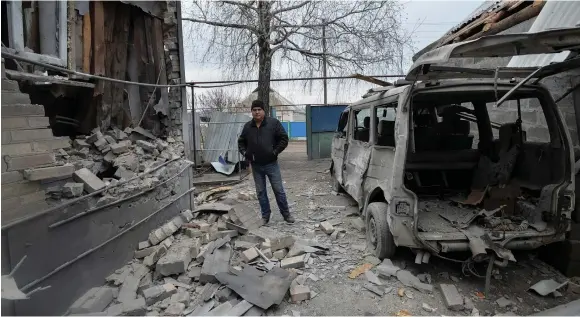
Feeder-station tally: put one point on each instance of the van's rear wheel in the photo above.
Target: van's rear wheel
(379, 238)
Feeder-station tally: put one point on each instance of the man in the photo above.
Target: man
(261, 141)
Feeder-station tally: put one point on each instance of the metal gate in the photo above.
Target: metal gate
(321, 123)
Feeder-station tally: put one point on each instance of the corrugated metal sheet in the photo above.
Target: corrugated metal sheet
(486, 6)
(554, 15)
(222, 139)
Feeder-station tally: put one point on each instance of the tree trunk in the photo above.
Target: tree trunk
(264, 55)
(265, 62)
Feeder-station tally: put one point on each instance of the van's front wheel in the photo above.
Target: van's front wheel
(379, 238)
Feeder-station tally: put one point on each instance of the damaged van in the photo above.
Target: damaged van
(434, 168)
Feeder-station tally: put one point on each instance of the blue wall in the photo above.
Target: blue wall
(295, 129)
(321, 124)
(325, 119)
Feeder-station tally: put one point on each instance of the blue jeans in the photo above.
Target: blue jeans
(271, 170)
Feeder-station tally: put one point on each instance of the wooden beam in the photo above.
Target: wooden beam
(372, 80)
(40, 79)
(98, 35)
(87, 43)
(510, 21)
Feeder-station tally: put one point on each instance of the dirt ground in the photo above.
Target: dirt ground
(308, 189)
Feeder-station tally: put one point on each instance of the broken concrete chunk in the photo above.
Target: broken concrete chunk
(503, 302)
(453, 299)
(175, 309)
(147, 146)
(387, 269)
(215, 263)
(249, 255)
(157, 293)
(80, 144)
(181, 296)
(152, 258)
(177, 258)
(109, 157)
(194, 273)
(241, 308)
(546, 287)
(91, 182)
(293, 262)
(373, 278)
(143, 244)
(427, 308)
(120, 147)
(139, 254)
(326, 227)
(299, 293)
(358, 224)
(373, 288)
(408, 279)
(94, 300)
(129, 161)
(279, 255)
(121, 172)
(186, 215)
(128, 291)
(70, 190)
(278, 240)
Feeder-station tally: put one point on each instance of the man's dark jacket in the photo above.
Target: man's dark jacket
(262, 145)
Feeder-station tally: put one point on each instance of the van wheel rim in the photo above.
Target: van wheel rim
(373, 232)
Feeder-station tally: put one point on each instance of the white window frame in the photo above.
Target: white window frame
(16, 33)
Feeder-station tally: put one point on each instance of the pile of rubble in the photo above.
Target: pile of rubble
(104, 159)
(217, 260)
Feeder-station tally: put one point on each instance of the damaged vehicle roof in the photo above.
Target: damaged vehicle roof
(502, 45)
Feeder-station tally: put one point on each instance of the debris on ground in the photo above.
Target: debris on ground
(428, 308)
(503, 302)
(546, 287)
(360, 270)
(453, 299)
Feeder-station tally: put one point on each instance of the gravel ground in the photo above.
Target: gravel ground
(308, 188)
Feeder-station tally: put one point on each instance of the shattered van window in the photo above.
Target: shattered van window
(362, 129)
(385, 131)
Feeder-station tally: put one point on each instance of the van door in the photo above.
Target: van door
(340, 146)
(358, 153)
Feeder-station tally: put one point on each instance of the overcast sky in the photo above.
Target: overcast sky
(429, 20)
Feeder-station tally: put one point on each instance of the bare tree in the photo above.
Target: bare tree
(215, 100)
(359, 36)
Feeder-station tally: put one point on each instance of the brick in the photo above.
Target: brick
(91, 182)
(299, 293)
(20, 162)
(178, 257)
(80, 144)
(278, 240)
(158, 293)
(143, 244)
(139, 254)
(453, 299)
(10, 85)
(326, 227)
(51, 145)
(30, 135)
(17, 149)
(147, 146)
(249, 255)
(152, 258)
(71, 190)
(186, 215)
(11, 177)
(121, 147)
(280, 254)
(14, 98)
(192, 233)
(122, 172)
(293, 262)
(94, 300)
(22, 110)
(49, 172)
(101, 143)
(6, 138)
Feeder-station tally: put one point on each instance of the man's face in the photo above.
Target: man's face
(258, 113)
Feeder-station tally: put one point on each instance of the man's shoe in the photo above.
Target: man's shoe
(265, 220)
(289, 219)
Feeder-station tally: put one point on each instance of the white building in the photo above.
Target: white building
(285, 109)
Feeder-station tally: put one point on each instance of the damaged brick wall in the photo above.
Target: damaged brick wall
(173, 67)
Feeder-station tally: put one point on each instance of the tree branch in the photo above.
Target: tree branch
(225, 25)
(290, 8)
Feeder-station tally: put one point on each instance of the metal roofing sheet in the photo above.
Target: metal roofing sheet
(554, 15)
(222, 138)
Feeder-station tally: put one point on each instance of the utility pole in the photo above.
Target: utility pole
(324, 62)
